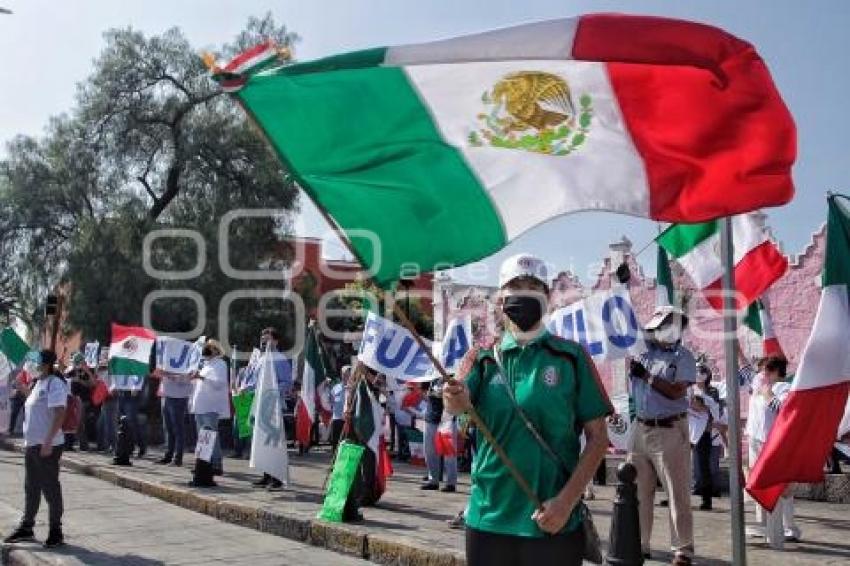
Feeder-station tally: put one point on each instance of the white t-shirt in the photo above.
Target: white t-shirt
(210, 394)
(763, 413)
(47, 393)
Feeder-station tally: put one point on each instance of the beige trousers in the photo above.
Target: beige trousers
(664, 454)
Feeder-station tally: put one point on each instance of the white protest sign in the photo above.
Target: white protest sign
(177, 356)
(619, 425)
(604, 323)
(390, 349)
(204, 445)
(92, 353)
(127, 382)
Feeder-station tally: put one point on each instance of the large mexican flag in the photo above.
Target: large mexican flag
(807, 425)
(441, 153)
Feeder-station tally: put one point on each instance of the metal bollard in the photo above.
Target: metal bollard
(624, 541)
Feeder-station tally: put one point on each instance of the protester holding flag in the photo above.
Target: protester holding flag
(210, 401)
(43, 441)
(530, 381)
(659, 447)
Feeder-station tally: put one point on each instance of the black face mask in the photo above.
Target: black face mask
(524, 311)
(206, 352)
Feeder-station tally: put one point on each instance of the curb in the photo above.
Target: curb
(336, 537)
(18, 556)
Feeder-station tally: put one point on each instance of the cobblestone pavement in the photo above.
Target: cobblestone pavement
(407, 519)
(105, 524)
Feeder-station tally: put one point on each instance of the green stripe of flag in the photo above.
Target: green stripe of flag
(13, 346)
(753, 318)
(124, 366)
(395, 171)
(664, 278)
(679, 239)
(836, 267)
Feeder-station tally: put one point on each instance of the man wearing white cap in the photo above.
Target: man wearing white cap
(536, 393)
(659, 448)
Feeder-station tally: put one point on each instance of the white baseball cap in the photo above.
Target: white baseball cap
(660, 315)
(523, 265)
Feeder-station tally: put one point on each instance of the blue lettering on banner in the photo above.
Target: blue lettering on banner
(419, 365)
(593, 348)
(382, 353)
(622, 341)
(567, 330)
(458, 346)
(179, 363)
(371, 331)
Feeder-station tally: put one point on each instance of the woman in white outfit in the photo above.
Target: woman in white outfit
(769, 391)
(210, 400)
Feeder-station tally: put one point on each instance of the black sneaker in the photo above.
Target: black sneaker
(54, 539)
(164, 460)
(21, 534)
(429, 486)
(262, 482)
(449, 489)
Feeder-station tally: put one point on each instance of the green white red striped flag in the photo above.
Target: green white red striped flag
(130, 350)
(445, 152)
(807, 424)
(313, 374)
(758, 319)
(696, 247)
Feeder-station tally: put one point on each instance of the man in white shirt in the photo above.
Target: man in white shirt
(43, 441)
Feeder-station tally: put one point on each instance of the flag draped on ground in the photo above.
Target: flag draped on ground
(13, 347)
(314, 373)
(268, 444)
(480, 138)
(696, 247)
(759, 321)
(130, 350)
(666, 292)
(806, 426)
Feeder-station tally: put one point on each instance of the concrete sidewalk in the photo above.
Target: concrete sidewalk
(105, 524)
(409, 526)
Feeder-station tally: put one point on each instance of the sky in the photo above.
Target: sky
(49, 46)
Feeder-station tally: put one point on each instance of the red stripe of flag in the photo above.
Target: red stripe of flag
(702, 110)
(753, 275)
(120, 333)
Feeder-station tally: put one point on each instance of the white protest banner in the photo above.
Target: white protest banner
(619, 424)
(204, 445)
(390, 349)
(92, 353)
(268, 444)
(177, 356)
(604, 323)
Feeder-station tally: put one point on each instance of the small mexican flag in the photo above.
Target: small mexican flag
(13, 347)
(314, 373)
(130, 350)
(759, 321)
(696, 247)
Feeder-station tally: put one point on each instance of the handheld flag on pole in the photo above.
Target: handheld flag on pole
(13, 347)
(480, 138)
(758, 262)
(806, 426)
(758, 319)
